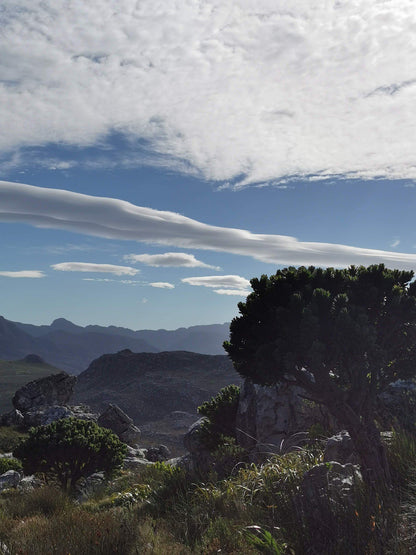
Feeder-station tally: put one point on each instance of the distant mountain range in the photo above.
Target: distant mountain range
(72, 348)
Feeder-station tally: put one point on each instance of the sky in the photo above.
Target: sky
(157, 155)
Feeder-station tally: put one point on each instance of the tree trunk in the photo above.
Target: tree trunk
(367, 442)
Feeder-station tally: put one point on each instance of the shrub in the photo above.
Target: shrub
(221, 413)
(70, 449)
(10, 438)
(9, 464)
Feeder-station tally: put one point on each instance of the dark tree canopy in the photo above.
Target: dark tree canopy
(343, 335)
(70, 449)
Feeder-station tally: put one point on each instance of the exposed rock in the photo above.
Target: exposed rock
(158, 454)
(192, 439)
(9, 479)
(29, 483)
(327, 492)
(43, 416)
(120, 423)
(270, 415)
(340, 448)
(135, 463)
(12, 418)
(56, 389)
(46, 415)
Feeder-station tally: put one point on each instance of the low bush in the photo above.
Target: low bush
(221, 413)
(9, 464)
(10, 437)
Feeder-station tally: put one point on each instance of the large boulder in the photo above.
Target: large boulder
(56, 389)
(268, 416)
(9, 479)
(120, 423)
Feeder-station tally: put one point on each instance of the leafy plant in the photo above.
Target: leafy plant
(70, 449)
(9, 464)
(221, 413)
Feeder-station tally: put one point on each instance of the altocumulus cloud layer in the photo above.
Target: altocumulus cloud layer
(117, 219)
(262, 89)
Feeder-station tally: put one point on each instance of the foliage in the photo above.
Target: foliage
(9, 464)
(70, 449)
(221, 413)
(342, 335)
(10, 437)
(255, 510)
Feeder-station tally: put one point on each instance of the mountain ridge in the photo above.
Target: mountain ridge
(72, 347)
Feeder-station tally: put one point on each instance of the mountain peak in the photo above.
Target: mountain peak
(63, 324)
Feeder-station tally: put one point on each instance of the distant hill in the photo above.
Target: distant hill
(160, 391)
(72, 348)
(16, 373)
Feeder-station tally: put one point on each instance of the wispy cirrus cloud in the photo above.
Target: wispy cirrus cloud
(173, 259)
(23, 274)
(162, 285)
(95, 268)
(117, 219)
(262, 90)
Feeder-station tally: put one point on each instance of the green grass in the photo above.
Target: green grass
(15, 374)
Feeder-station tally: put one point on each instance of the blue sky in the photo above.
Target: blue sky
(231, 140)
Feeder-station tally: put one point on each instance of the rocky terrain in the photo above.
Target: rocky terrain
(72, 348)
(160, 391)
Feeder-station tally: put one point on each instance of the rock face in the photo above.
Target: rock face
(267, 416)
(52, 390)
(120, 423)
(340, 448)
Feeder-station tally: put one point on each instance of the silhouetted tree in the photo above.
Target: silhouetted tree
(342, 335)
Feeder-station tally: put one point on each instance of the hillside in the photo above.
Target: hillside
(160, 391)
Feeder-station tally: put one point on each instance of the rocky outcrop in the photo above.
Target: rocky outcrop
(267, 416)
(340, 448)
(56, 389)
(120, 423)
(12, 418)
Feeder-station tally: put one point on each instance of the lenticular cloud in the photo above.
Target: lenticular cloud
(117, 219)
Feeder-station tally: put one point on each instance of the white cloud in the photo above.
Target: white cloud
(395, 243)
(95, 268)
(178, 259)
(262, 89)
(238, 292)
(117, 219)
(230, 282)
(162, 285)
(23, 274)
